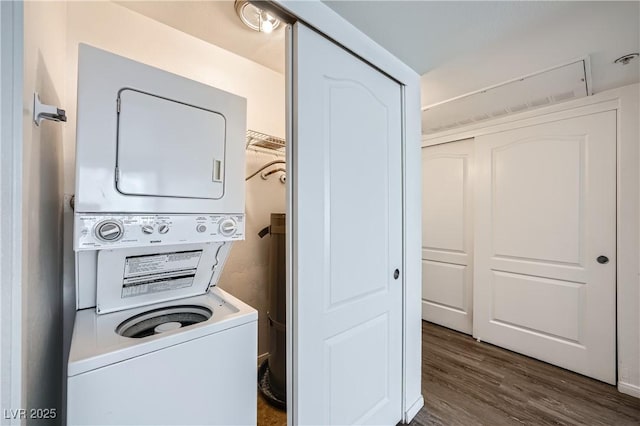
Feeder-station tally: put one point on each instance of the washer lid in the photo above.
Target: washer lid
(140, 276)
(168, 148)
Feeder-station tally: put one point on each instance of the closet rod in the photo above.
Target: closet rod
(271, 163)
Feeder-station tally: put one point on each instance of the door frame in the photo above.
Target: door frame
(471, 230)
(324, 20)
(624, 101)
(11, 84)
(315, 15)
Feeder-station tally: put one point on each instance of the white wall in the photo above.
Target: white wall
(44, 71)
(11, 46)
(626, 100)
(119, 30)
(628, 267)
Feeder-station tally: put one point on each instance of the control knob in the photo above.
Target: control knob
(228, 227)
(109, 230)
(163, 229)
(201, 228)
(147, 229)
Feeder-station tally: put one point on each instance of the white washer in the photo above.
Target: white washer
(159, 201)
(204, 373)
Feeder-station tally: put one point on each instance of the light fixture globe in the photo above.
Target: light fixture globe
(255, 18)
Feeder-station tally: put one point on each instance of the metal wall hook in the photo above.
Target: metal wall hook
(265, 175)
(46, 112)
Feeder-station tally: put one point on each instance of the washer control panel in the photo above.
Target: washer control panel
(94, 231)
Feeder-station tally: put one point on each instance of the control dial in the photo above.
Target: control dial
(201, 228)
(109, 230)
(163, 229)
(147, 229)
(228, 227)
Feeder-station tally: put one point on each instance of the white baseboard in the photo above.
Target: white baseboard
(262, 357)
(413, 410)
(629, 389)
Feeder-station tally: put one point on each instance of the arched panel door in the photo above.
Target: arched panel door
(545, 242)
(346, 236)
(447, 235)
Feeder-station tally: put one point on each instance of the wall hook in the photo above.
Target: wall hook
(46, 112)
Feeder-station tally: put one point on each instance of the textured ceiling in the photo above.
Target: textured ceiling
(216, 22)
(426, 34)
(457, 46)
(460, 47)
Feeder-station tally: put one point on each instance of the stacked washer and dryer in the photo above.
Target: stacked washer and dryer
(159, 201)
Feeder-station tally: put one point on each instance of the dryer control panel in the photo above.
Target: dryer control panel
(99, 231)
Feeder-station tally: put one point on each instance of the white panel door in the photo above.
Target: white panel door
(346, 237)
(545, 250)
(447, 235)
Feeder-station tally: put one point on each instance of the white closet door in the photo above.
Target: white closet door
(346, 237)
(447, 235)
(545, 253)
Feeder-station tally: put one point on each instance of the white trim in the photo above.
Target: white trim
(629, 389)
(558, 112)
(323, 19)
(587, 73)
(320, 17)
(628, 234)
(625, 101)
(413, 410)
(291, 299)
(412, 207)
(487, 126)
(11, 52)
(586, 64)
(3, 340)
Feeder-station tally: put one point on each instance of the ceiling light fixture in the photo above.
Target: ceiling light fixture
(256, 18)
(624, 60)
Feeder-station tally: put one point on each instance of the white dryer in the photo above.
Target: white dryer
(159, 201)
(149, 141)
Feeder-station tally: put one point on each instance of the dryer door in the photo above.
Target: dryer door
(168, 148)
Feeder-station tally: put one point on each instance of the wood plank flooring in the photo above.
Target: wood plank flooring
(469, 383)
(269, 415)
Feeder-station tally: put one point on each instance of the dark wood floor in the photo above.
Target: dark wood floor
(469, 383)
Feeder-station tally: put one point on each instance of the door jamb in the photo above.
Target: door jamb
(11, 83)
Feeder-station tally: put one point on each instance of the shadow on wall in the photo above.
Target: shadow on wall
(42, 248)
(246, 273)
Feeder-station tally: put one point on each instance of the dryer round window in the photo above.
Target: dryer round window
(162, 320)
